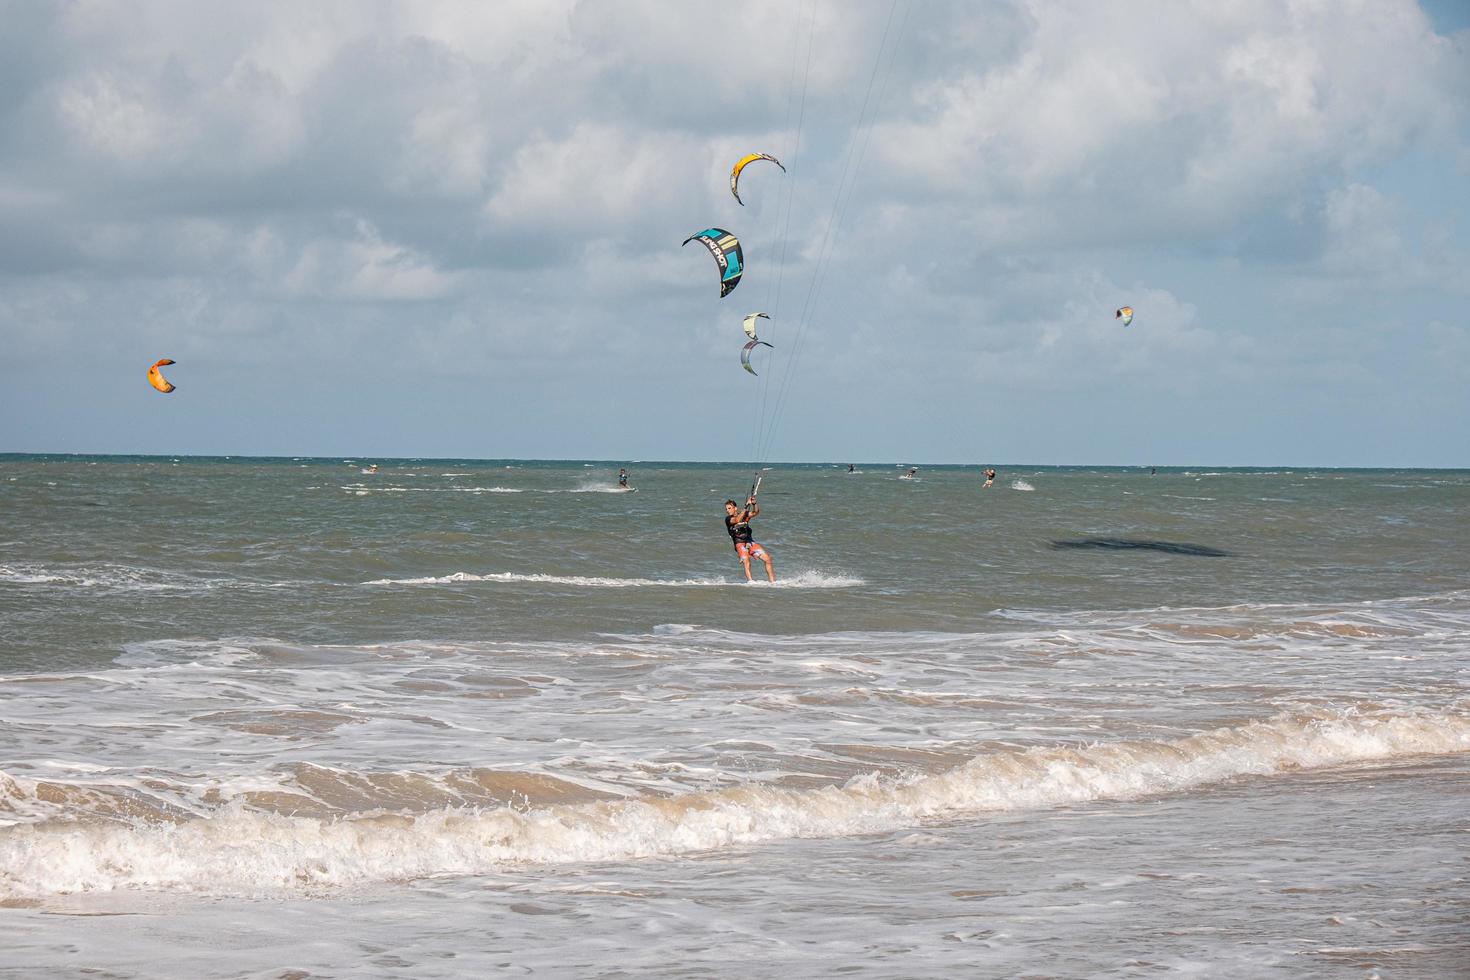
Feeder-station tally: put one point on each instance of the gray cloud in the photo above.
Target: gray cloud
(496, 196)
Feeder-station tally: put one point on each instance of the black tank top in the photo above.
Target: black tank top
(739, 530)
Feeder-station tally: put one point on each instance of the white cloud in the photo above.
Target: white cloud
(1363, 234)
(596, 175)
(111, 120)
(365, 267)
(1160, 121)
(1368, 245)
(509, 184)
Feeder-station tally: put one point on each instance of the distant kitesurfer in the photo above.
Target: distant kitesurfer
(851, 468)
(737, 522)
(913, 472)
(989, 479)
(623, 479)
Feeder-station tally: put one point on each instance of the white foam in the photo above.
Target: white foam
(361, 489)
(105, 576)
(32, 576)
(799, 580)
(1021, 485)
(240, 851)
(608, 485)
(357, 488)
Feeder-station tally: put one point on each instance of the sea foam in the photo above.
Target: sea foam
(236, 850)
(799, 580)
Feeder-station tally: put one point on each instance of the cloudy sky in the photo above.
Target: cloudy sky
(452, 229)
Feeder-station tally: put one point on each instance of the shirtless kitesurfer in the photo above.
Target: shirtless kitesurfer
(737, 522)
(989, 479)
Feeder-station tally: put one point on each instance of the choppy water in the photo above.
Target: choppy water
(459, 718)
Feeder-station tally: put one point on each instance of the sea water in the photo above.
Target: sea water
(287, 718)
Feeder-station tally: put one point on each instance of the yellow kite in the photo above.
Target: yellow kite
(157, 380)
(740, 165)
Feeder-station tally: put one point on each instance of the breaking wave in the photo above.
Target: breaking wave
(799, 580)
(361, 490)
(124, 578)
(235, 849)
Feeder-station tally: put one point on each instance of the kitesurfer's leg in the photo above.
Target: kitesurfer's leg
(760, 553)
(743, 550)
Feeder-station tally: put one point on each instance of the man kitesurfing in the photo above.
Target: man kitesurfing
(737, 523)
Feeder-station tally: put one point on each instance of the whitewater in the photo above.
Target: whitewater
(489, 716)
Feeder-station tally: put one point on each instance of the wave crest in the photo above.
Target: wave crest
(798, 580)
(238, 850)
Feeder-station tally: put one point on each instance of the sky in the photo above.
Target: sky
(453, 229)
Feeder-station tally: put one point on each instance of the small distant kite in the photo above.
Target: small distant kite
(749, 324)
(745, 353)
(157, 380)
(741, 164)
(1125, 314)
(725, 247)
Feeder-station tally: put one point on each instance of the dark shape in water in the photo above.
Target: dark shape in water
(1135, 544)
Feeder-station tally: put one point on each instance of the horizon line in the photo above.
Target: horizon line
(367, 458)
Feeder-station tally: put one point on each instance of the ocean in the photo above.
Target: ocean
(290, 718)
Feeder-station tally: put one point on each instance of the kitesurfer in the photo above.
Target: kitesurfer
(622, 479)
(851, 468)
(989, 479)
(737, 522)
